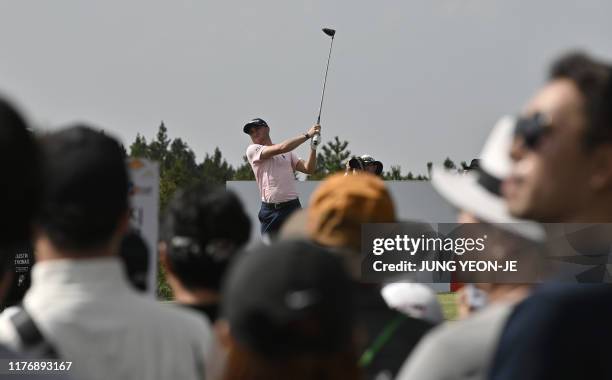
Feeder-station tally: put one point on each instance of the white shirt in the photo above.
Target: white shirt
(461, 350)
(87, 310)
(274, 175)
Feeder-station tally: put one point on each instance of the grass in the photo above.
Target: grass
(449, 305)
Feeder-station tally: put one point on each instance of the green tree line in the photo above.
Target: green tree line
(179, 168)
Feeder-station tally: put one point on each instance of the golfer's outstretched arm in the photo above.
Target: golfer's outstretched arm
(310, 166)
(290, 144)
(311, 162)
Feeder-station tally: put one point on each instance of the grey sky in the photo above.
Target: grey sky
(410, 81)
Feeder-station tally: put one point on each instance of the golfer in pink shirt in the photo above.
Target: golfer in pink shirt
(274, 166)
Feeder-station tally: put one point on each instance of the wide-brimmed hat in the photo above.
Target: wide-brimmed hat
(479, 191)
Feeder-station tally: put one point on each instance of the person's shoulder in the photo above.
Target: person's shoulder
(550, 298)
(185, 315)
(253, 152)
(562, 302)
(167, 313)
(555, 291)
(254, 147)
(444, 337)
(449, 333)
(8, 333)
(424, 361)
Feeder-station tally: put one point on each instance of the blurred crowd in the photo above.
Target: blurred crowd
(298, 307)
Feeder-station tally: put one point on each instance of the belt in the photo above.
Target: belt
(280, 205)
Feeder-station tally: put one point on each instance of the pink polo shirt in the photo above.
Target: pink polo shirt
(274, 175)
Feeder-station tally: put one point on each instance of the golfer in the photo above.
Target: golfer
(274, 166)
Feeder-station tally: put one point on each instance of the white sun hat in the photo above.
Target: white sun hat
(478, 191)
(416, 300)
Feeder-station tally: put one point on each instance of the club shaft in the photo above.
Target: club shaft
(325, 80)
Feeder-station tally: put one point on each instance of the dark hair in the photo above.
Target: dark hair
(594, 81)
(135, 256)
(20, 182)
(245, 364)
(204, 226)
(86, 187)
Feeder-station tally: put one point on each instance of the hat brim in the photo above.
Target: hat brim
(246, 127)
(252, 124)
(464, 192)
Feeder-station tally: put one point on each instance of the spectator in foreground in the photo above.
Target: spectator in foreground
(337, 209)
(562, 173)
(19, 192)
(80, 300)
(467, 346)
(204, 227)
(20, 182)
(20, 187)
(288, 314)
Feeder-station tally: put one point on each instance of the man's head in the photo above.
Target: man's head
(204, 227)
(288, 299)
(338, 208)
(563, 147)
(365, 163)
(371, 165)
(258, 130)
(85, 199)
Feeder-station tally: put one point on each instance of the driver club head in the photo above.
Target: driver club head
(329, 32)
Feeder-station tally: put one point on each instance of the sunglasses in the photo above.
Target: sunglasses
(532, 129)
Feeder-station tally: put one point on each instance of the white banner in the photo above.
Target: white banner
(144, 210)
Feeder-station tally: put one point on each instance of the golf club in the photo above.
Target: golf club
(330, 32)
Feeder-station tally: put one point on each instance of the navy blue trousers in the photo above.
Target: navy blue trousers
(272, 218)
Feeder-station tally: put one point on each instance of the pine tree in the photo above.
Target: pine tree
(215, 169)
(449, 164)
(244, 172)
(332, 158)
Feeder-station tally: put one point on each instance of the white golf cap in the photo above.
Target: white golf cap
(478, 191)
(415, 300)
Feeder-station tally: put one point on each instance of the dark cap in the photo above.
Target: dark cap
(86, 187)
(289, 298)
(369, 160)
(257, 122)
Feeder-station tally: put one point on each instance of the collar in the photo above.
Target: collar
(95, 271)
